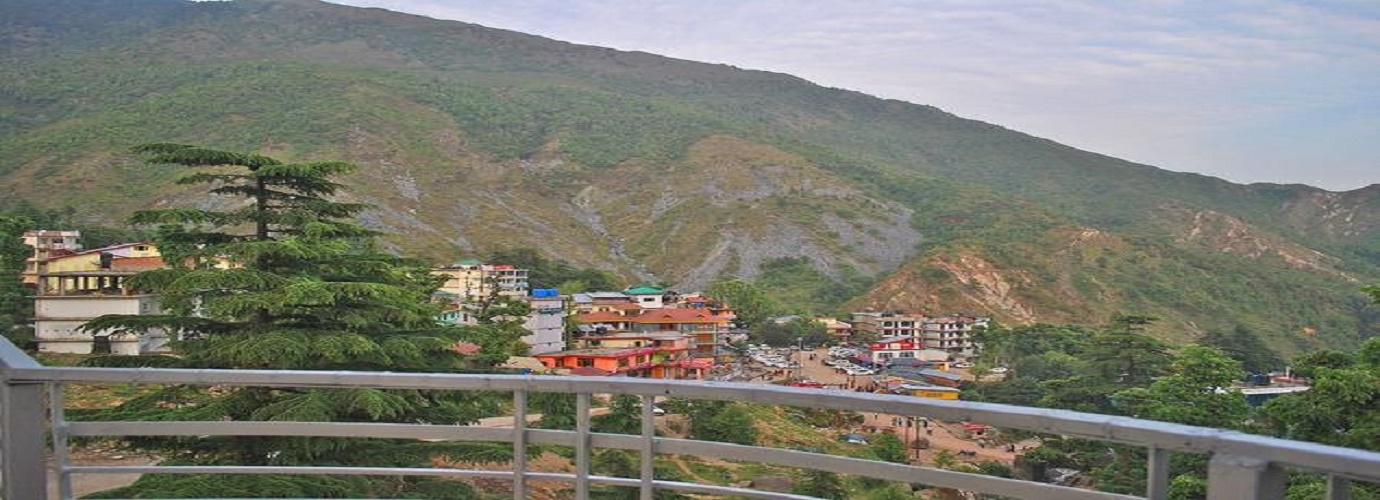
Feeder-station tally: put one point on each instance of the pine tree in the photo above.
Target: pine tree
(286, 281)
(15, 306)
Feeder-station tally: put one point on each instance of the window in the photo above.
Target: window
(622, 362)
(584, 362)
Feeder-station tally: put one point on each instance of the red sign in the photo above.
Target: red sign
(899, 345)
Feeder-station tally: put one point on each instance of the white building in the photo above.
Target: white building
(546, 321)
(58, 318)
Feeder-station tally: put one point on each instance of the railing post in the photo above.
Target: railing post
(1157, 470)
(58, 423)
(648, 458)
(21, 435)
(1338, 487)
(1234, 477)
(582, 445)
(519, 445)
(22, 473)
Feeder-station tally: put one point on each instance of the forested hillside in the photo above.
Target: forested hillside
(473, 139)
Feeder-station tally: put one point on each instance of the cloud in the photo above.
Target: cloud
(1177, 84)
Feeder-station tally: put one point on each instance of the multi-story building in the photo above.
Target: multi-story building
(953, 333)
(886, 324)
(709, 327)
(472, 278)
(664, 355)
(546, 321)
(78, 287)
(887, 350)
(47, 244)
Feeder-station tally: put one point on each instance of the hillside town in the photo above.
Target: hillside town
(641, 331)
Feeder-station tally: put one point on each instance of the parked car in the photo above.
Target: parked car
(1000, 369)
(853, 439)
(963, 364)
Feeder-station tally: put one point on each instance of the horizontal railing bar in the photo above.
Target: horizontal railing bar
(304, 429)
(394, 471)
(273, 469)
(12, 358)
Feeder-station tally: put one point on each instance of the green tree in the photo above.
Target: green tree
(821, 484)
(748, 300)
(1342, 407)
(889, 448)
(287, 282)
(1196, 392)
(624, 416)
(557, 409)
(15, 306)
(1123, 354)
(790, 333)
(1244, 345)
(1310, 364)
(722, 421)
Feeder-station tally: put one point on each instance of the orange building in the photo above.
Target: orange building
(709, 327)
(635, 355)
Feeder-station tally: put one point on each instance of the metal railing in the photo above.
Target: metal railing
(1242, 466)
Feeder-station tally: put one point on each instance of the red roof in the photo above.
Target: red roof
(136, 263)
(653, 316)
(601, 317)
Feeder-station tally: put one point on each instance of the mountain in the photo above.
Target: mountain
(472, 139)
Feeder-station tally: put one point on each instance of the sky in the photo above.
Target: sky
(1246, 90)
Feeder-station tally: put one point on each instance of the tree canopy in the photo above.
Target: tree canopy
(283, 279)
(15, 307)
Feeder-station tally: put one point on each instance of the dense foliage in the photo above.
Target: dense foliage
(1118, 370)
(284, 281)
(15, 306)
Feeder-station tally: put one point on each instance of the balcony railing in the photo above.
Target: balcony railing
(1242, 466)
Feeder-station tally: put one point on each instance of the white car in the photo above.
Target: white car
(1000, 369)
(963, 364)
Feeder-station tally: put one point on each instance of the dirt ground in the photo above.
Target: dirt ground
(941, 435)
(84, 484)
